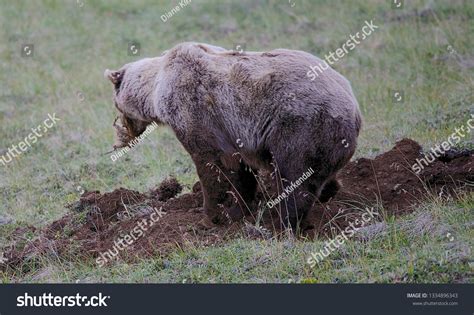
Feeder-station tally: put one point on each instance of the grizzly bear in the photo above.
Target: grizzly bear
(237, 110)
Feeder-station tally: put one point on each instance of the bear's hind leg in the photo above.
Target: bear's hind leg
(300, 182)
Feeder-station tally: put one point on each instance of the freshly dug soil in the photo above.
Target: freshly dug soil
(97, 221)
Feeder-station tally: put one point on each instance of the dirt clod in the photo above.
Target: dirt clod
(168, 189)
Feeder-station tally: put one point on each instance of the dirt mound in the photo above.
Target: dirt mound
(129, 224)
(389, 181)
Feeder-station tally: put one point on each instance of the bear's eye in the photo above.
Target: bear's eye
(117, 87)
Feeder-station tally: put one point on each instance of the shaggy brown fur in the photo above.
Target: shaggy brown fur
(261, 106)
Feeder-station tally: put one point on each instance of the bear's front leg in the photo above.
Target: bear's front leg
(215, 184)
(227, 186)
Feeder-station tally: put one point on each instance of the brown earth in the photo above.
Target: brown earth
(97, 221)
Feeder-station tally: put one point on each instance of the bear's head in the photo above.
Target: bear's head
(133, 85)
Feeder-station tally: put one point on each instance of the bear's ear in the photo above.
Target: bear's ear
(114, 76)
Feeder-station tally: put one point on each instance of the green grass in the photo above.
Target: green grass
(74, 45)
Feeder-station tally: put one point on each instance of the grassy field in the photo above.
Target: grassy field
(424, 51)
